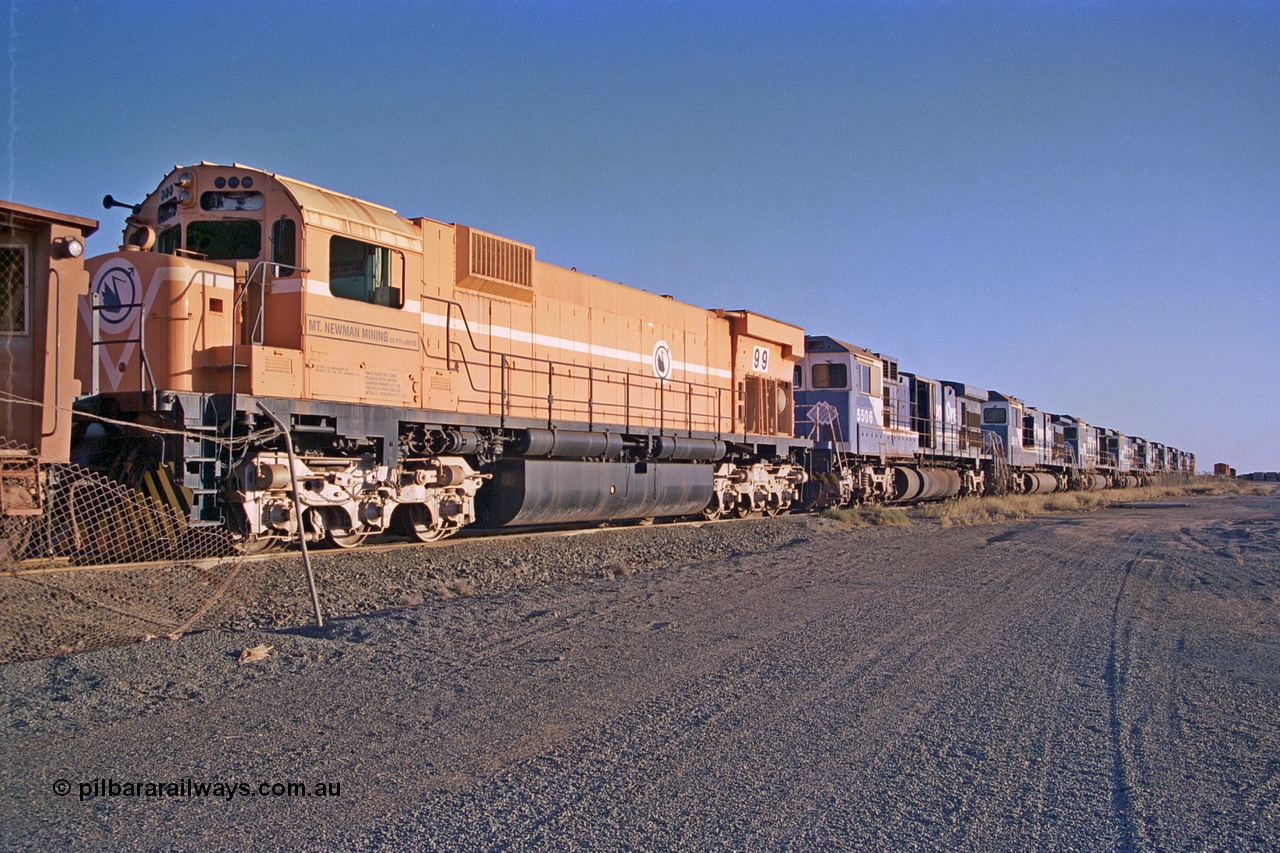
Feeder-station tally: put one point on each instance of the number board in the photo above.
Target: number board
(760, 359)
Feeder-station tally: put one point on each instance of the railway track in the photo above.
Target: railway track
(33, 568)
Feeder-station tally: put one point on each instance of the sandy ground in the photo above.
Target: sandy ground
(1105, 681)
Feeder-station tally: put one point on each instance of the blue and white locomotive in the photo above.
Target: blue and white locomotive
(881, 434)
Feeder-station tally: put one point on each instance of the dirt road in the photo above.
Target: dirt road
(1106, 681)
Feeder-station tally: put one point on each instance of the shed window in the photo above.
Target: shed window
(13, 290)
(994, 416)
(364, 272)
(830, 376)
(864, 378)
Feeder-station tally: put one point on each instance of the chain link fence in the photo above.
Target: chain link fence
(87, 562)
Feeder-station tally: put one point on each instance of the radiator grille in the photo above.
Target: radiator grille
(501, 260)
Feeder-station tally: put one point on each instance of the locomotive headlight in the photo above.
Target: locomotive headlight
(185, 199)
(185, 180)
(67, 247)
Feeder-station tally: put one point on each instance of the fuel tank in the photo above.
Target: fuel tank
(924, 484)
(1038, 483)
(560, 491)
(1092, 482)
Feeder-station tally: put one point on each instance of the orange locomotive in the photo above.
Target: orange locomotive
(431, 375)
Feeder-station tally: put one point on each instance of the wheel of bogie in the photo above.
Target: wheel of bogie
(773, 507)
(417, 523)
(261, 545)
(713, 509)
(344, 538)
(741, 509)
(324, 523)
(243, 541)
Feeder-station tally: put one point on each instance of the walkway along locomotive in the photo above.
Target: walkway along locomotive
(434, 376)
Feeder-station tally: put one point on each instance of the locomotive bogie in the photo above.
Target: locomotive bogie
(353, 497)
(765, 487)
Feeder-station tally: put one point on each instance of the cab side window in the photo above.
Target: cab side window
(830, 376)
(365, 272)
(864, 378)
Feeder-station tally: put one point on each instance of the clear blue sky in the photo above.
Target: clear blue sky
(1075, 203)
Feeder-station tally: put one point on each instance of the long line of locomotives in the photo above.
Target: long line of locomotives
(432, 376)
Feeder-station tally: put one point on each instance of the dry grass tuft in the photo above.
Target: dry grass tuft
(1231, 487)
(989, 510)
(868, 516)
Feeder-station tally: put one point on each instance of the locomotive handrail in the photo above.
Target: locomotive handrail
(259, 324)
(95, 330)
(511, 398)
(506, 394)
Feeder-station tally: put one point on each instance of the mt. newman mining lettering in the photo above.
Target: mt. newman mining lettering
(345, 330)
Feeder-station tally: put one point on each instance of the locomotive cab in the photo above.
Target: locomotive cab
(1024, 439)
(849, 398)
(207, 293)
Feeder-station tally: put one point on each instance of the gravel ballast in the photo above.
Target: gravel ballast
(1103, 681)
